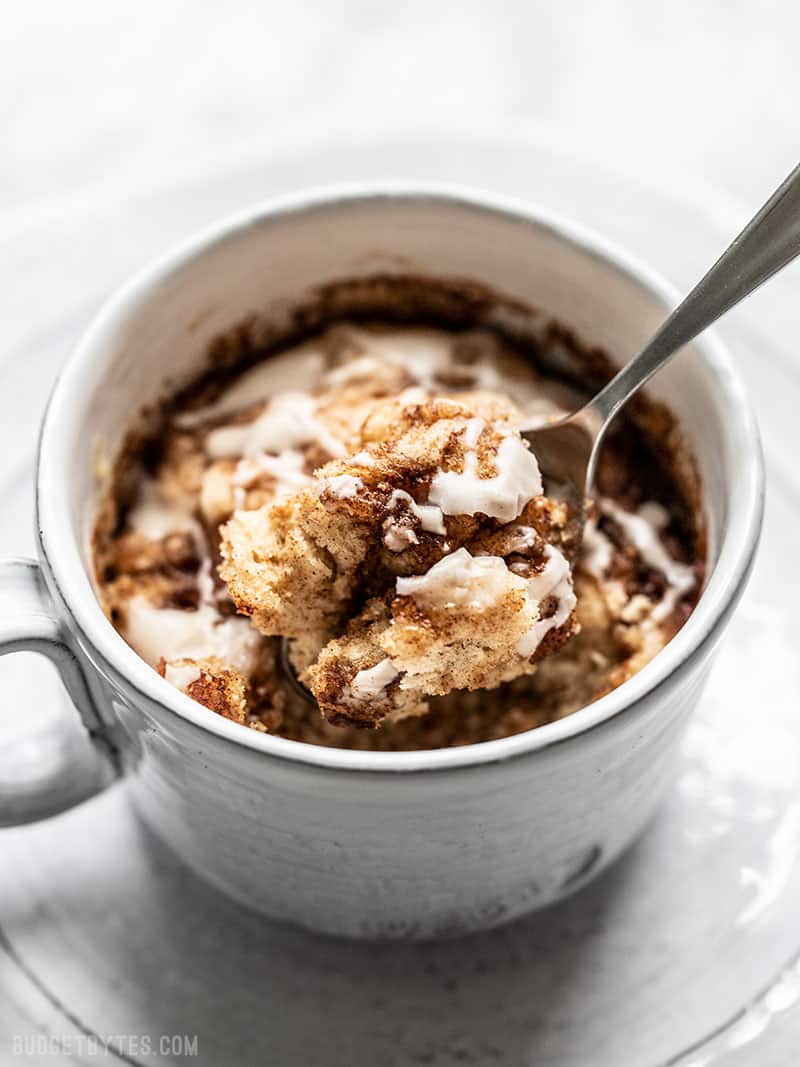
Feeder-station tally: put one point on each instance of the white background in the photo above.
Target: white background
(99, 92)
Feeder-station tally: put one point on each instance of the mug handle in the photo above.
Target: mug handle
(50, 773)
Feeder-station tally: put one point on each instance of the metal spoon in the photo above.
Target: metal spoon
(567, 449)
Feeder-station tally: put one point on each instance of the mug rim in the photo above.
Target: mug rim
(63, 561)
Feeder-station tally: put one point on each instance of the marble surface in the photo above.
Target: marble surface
(94, 94)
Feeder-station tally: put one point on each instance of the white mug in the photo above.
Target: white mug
(366, 844)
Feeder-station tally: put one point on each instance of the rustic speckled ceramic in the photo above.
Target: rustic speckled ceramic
(364, 844)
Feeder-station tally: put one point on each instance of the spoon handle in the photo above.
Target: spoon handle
(767, 243)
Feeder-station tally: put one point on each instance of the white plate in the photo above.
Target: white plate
(684, 953)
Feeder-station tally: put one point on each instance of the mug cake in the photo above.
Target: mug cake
(361, 492)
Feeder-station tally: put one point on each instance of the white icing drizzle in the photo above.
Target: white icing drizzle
(398, 538)
(288, 422)
(472, 432)
(430, 517)
(461, 580)
(277, 374)
(426, 355)
(421, 353)
(182, 675)
(154, 518)
(502, 496)
(641, 529)
(554, 581)
(364, 459)
(521, 538)
(353, 370)
(654, 513)
(343, 486)
(287, 469)
(372, 682)
(155, 632)
(596, 550)
(415, 394)
(174, 634)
